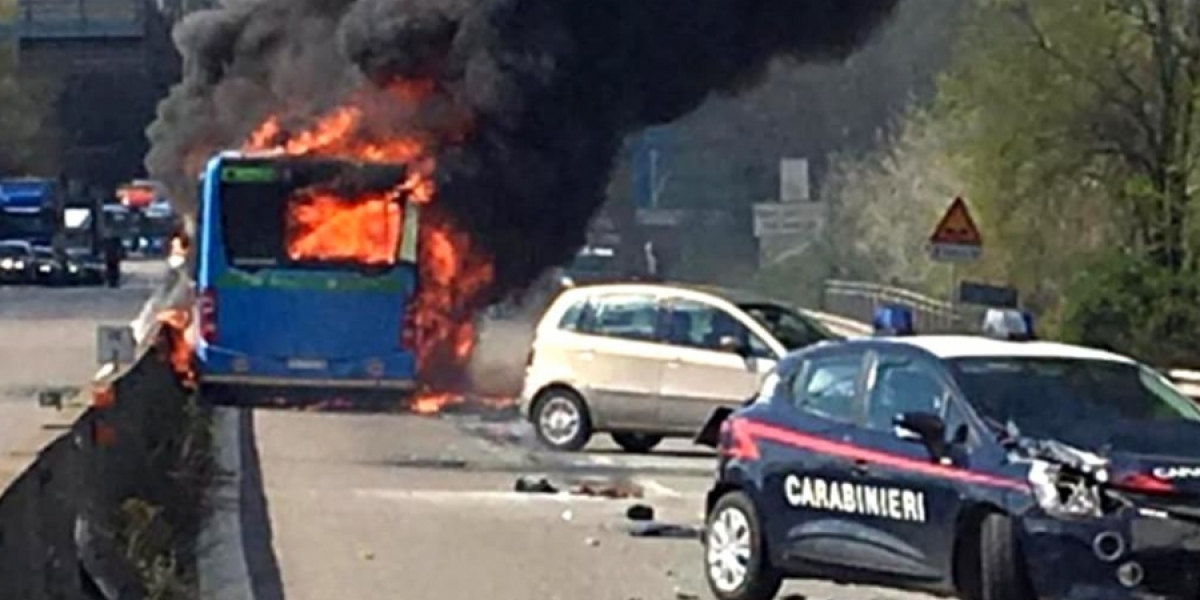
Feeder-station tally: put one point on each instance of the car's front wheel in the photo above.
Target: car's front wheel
(561, 419)
(737, 566)
(1002, 573)
(637, 443)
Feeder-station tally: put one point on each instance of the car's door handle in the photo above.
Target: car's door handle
(861, 467)
(673, 364)
(587, 355)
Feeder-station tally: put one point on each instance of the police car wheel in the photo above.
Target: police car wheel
(561, 420)
(1002, 567)
(736, 563)
(637, 443)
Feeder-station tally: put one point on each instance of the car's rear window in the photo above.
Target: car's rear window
(282, 214)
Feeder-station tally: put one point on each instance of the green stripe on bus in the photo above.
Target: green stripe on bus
(309, 281)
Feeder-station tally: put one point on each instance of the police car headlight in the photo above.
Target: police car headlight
(1063, 493)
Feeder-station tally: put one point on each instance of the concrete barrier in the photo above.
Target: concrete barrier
(60, 519)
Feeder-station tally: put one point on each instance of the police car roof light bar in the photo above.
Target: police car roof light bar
(1008, 324)
(893, 320)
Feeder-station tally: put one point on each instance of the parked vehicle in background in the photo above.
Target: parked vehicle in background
(71, 268)
(17, 262)
(648, 361)
(291, 308)
(28, 211)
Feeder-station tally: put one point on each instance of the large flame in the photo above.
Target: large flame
(453, 274)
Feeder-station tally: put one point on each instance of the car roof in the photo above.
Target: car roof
(969, 346)
(16, 243)
(731, 295)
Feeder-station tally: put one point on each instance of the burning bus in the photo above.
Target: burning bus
(305, 271)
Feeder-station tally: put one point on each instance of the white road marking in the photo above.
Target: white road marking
(656, 489)
(473, 496)
(222, 566)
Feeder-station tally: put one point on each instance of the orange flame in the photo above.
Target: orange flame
(321, 225)
(453, 273)
(177, 333)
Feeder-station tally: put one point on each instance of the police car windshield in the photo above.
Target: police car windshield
(1045, 397)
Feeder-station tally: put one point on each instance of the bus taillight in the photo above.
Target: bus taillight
(207, 309)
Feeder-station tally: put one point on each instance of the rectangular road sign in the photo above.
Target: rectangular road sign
(993, 296)
(954, 253)
(115, 345)
(789, 218)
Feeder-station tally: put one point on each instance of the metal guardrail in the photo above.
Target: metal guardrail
(859, 300)
(851, 306)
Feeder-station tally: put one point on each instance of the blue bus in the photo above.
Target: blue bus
(270, 320)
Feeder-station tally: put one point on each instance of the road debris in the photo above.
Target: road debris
(682, 594)
(640, 512)
(607, 488)
(593, 542)
(663, 530)
(535, 485)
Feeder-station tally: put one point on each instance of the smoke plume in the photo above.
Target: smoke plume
(551, 88)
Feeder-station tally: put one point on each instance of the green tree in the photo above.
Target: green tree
(1074, 124)
(884, 205)
(25, 119)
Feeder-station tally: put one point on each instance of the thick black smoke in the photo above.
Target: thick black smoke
(553, 86)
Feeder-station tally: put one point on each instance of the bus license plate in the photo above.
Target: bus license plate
(303, 364)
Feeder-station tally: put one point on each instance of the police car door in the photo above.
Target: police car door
(909, 508)
(807, 466)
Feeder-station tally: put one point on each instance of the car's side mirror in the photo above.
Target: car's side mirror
(925, 427)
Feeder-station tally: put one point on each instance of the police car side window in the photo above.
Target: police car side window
(827, 386)
(903, 385)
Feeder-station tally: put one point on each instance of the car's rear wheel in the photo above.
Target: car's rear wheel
(561, 419)
(736, 562)
(637, 443)
(1002, 573)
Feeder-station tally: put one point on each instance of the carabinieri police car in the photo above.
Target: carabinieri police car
(990, 467)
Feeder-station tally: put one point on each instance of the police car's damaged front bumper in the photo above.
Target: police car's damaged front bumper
(1134, 552)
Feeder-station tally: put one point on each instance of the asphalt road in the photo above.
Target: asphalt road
(386, 506)
(47, 341)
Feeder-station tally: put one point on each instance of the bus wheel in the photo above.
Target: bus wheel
(561, 419)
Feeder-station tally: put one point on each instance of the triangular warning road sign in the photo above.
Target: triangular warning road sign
(957, 227)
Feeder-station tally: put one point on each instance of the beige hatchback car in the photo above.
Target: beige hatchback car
(649, 361)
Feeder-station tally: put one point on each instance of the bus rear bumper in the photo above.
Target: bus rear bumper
(218, 366)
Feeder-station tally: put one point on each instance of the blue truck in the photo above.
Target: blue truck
(28, 210)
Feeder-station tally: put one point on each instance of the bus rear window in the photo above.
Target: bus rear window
(304, 213)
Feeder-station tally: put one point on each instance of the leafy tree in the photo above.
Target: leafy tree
(1073, 124)
(25, 114)
(885, 204)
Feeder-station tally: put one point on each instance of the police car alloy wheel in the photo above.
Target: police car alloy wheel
(736, 564)
(561, 420)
